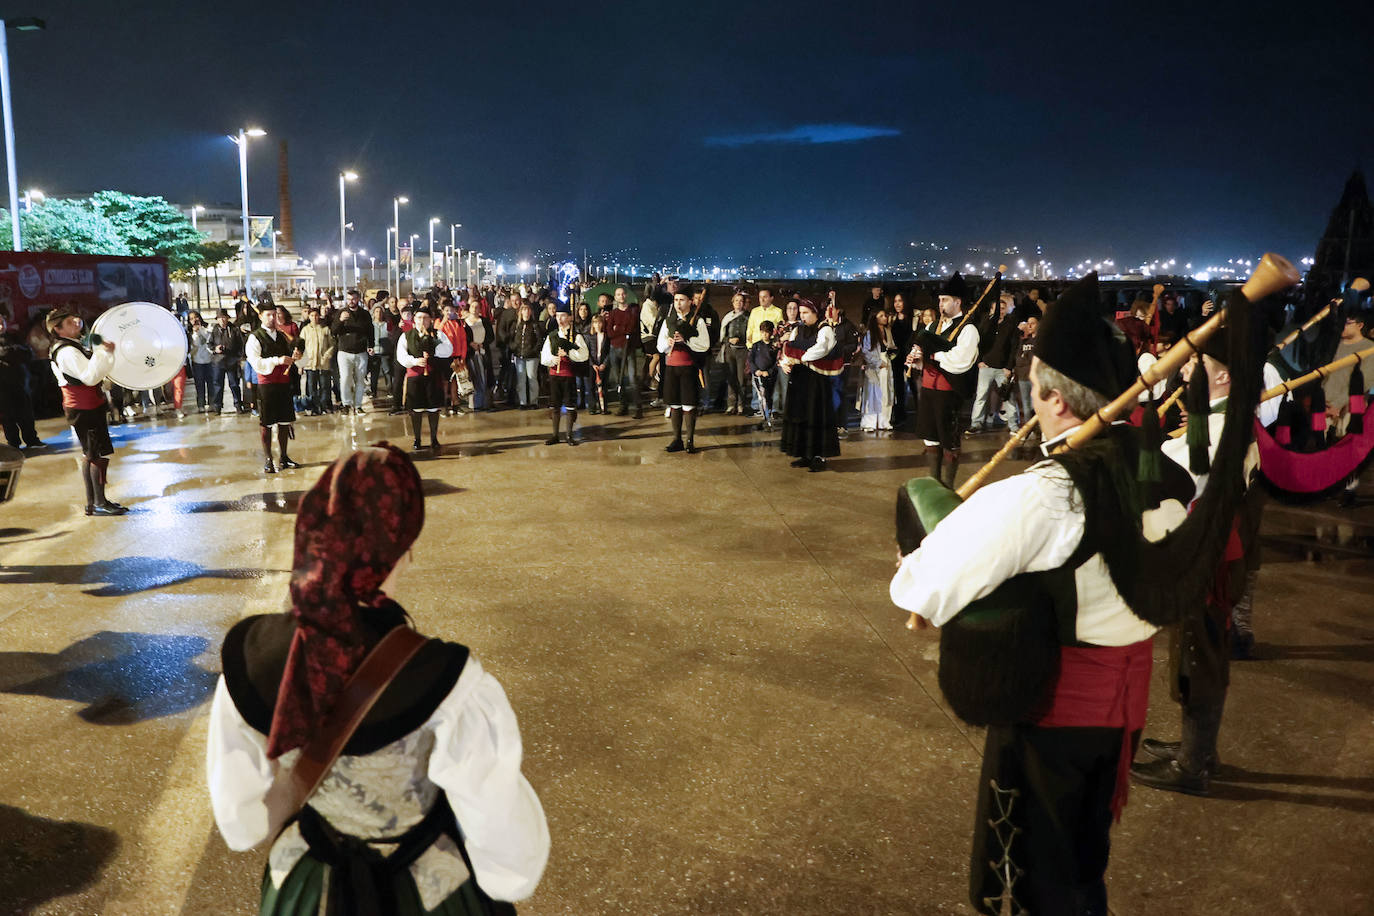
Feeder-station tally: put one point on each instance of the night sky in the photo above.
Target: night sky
(726, 128)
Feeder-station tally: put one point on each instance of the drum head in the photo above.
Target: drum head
(150, 344)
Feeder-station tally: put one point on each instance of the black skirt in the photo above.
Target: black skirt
(938, 417)
(562, 391)
(808, 422)
(92, 430)
(424, 392)
(274, 404)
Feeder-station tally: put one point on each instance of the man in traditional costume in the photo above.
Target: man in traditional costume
(565, 355)
(683, 339)
(1068, 648)
(420, 351)
(947, 356)
(79, 373)
(271, 353)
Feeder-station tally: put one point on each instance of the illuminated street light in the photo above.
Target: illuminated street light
(396, 231)
(242, 142)
(344, 177)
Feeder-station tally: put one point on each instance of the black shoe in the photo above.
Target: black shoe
(1346, 500)
(691, 447)
(572, 441)
(269, 467)
(1168, 750)
(622, 412)
(106, 509)
(801, 462)
(1171, 777)
(639, 414)
(1242, 646)
(287, 463)
(817, 464)
(674, 446)
(36, 443)
(552, 440)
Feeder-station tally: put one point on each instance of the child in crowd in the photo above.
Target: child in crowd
(763, 370)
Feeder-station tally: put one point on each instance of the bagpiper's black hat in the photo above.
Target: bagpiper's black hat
(422, 310)
(955, 287)
(1077, 339)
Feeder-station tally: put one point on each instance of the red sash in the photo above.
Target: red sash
(1102, 687)
(82, 397)
(933, 379)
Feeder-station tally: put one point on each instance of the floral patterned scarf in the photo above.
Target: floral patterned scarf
(354, 525)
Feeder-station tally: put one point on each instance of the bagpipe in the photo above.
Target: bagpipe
(999, 653)
(1304, 455)
(930, 342)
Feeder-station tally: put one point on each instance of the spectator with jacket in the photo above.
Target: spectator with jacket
(226, 361)
(998, 336)
(526, 340)
(202, 361)
(316, 361)
(16, 393)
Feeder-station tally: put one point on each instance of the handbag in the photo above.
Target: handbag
(292, 788)
(463, 381)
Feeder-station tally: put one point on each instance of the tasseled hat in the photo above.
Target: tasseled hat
(1077, 339)
(955, 287)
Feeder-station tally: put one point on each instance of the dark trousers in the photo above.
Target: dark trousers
(1044, 810)
(317, 389)
(203, 374)
(16, 408)
(231, 374)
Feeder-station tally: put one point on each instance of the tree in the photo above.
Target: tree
(150, 226)
(69, 226)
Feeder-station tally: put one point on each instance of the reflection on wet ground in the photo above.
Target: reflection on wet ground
(42, 859)
(121, 677)
(1318, 537)
(285, 503)
(123, 576)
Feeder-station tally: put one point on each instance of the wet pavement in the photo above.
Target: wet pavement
(721, 710)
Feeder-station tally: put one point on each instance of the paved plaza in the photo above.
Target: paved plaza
(721, 710)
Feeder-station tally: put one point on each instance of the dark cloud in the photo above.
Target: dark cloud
(806, 133)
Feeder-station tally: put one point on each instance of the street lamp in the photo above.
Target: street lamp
(194, 211)
(396, 229)
(432, 221)
(242, 141)
(29, 197)
(334, 259)
(452, 253)
(413, 237)
(344, 177)
(389, 231)
(24, 24)
(372, 270)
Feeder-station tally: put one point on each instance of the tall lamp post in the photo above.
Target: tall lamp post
(389, 249)
(432, 221)
(413, 237)
(196, 229)
(453, 252)
(344, 177)
(242, 141)
(320, 259)
(26, 24)
(396, 229)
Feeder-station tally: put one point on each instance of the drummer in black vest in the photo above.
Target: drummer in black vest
(947, 356)
(684, 339)
(271, 354)
(79, 373)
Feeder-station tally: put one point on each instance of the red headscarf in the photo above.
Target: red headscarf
(354, 525)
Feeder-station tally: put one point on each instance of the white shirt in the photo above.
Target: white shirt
(825, 342)
(71, 361)
(479, 331)
(1032, 522)
(442, 350)
(262, 365)
(700, 342)
(469, 748)
(1268, 411)
(1143, 363)
(964, 354)
(549, 356)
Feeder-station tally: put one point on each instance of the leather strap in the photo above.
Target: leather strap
(377, 671)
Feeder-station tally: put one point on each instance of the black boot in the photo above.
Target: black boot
(934, 460)
(572, 422)
(553, 414)
(691, 423)
(433, 429)
(951, 468)
(89, 483)
(283, 437)
(265, 435)
(415, 430)
(676, 445)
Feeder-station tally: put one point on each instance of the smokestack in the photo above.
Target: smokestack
(288, 240)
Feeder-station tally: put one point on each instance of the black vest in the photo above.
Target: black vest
(281, 346)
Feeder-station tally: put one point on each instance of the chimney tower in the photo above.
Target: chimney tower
(288, 240)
